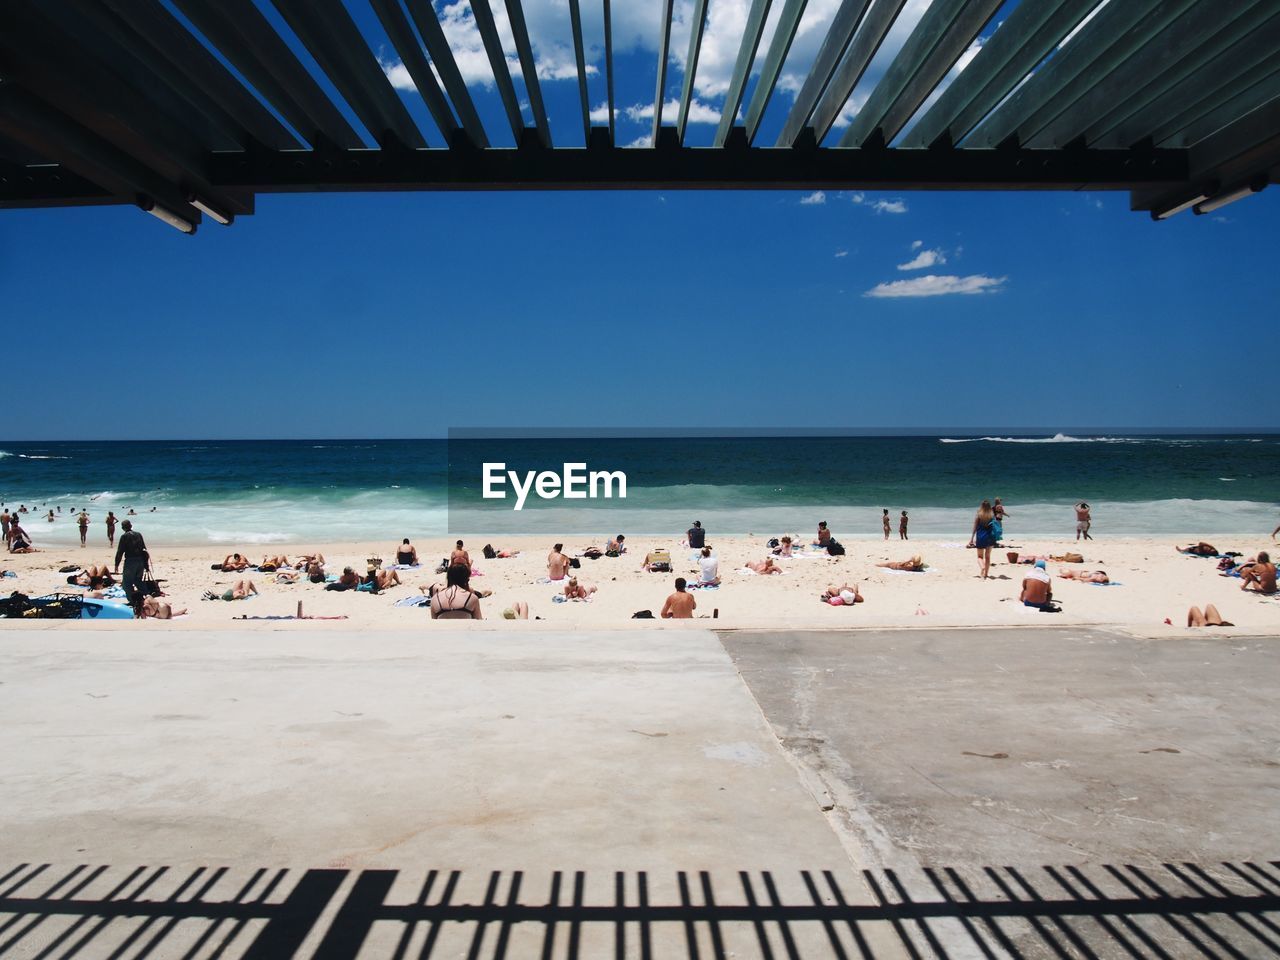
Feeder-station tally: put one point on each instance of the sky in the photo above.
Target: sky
(404, 315)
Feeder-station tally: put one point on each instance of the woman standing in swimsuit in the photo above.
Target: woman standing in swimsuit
(983, 537)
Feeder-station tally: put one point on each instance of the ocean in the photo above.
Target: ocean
(234, 493)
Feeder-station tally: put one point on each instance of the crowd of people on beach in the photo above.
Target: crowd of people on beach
(456, 598)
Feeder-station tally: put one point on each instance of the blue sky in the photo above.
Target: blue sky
(392, 315)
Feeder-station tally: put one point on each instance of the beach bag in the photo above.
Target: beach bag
(489, 552)
(642, 615)
(774, 542)
(1072, 558)
(997, 531)
(835, 548)
(575, 563)
(150, 586)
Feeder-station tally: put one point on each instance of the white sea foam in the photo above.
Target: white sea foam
(39, 456)
(5, 453)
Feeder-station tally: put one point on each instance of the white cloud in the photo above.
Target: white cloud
(889, 206)
(858, 198)
(643, 141)
(841, 253)
(600, 114)
(917, 244)
(699, 112)
(812, 198)
(931, 285)
(398, 74)
(925, 258)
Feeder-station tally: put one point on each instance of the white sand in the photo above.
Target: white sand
(1155, 583)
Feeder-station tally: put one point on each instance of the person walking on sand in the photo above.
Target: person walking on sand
(902, 526)
(887, 521)
(1082, 520)
(136, 560)
(983, 537)
(680, 605)
(5, 519)
(111, 528)
(83, 521)
(998, 509)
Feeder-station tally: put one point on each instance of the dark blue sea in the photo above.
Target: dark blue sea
(288, 491)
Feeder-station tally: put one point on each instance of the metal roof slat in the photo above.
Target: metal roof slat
(662, 69)
(245, 37)
(691, 64)
(52, 134)
(580, 63)
(783, 36)
(1104, 41)
(747, 50)
(934, 47)
(488, 28)
(203, 72)
(1179, 48)
(401, 35)
(428, 23)
(529, 71)
(1223, 76)
(1252, 138)
(1221, 115)
(90, 89)
(864, 48)
(1033, 29)
(834, 45)
(338, 47)
(608, 65)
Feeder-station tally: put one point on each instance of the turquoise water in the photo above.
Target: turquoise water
(229, 492)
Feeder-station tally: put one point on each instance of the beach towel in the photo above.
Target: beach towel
(401, 566)
(1109, 583)
(907, 572)
(9, 573)
(561, 598)
(702, 586)
(412, 602)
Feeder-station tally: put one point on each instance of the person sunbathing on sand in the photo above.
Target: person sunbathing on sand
(19, 539)
(94, 575)
(848, 594)
(1085, 576)
(1200, 549)
(239, 590)
(1210, 618)
(385, 579)
(406, 554)
(234, 563)
(315, 569)
(271, 564)
(708, 569)
(456, 600)
(459, 555)
(783, 549)
(1037, 588)
(574, 590)
(155, 609)
(491, 554)
(915, 565)
(1259, 575)
(764, 567)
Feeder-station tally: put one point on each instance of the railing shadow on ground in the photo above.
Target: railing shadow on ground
(1222, 909)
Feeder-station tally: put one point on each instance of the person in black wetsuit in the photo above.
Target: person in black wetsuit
(136, 560)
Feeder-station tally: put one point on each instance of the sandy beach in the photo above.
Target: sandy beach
(1151, 582)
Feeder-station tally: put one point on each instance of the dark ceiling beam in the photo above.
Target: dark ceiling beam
(401, 35)
(246, 38)
(698, 169)
(1216, 81)
(528, 70)
(104, 90)
(608, 67)
(47, 185)
(44, 129)
(663, 48)
(934, 47)
(488, 28)
(691, 64)
(783, 36)
(433, 38)
(153, 34)
(1148, 71)
(843, 26)
(861, 52)
(580, 62)
(747, 50)
(1032, 31)
(334, 40)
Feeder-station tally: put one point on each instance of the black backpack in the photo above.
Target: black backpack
(489, 552)
(835, 548)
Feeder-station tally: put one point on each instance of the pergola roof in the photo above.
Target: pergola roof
(186, 107)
